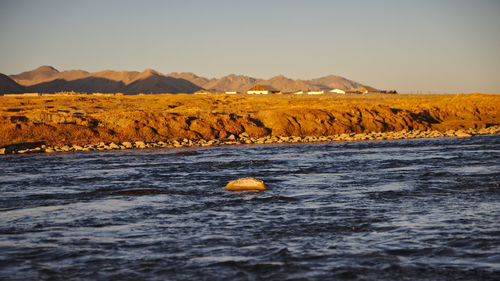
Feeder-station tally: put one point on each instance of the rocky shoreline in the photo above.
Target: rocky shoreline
(245, 139)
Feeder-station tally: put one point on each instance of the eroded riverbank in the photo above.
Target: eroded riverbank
(89, 122)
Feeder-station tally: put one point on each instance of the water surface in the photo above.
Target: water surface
(406, 209)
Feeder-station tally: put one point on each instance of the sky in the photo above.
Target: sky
(436, 46)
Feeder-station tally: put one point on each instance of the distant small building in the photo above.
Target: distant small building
(262, 90)
(104, 94)
(337, 91)
(23, 95)
(203, 92)
(316, 92)
(231, 92)
(299, 92)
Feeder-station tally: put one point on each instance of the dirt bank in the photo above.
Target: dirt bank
(87, 119)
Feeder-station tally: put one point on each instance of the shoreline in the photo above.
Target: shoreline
(245, 139)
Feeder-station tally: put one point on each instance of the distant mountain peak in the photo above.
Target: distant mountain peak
(42, 73)
(184, 75)
(46, 68)
(149, 71)
(280, 77)
(232, 75)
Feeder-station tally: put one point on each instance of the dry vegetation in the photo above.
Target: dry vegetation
(84, 119)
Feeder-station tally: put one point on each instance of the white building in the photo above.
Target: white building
(337, 91)
(317, 92)
(23, 95)
(261, 90)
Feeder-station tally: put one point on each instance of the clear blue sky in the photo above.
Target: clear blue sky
(425, 45)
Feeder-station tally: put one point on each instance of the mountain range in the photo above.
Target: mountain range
(47, 79)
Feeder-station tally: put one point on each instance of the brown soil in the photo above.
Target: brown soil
(84, 119)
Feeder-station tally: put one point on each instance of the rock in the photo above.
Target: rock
(449, 133)
(114, 146)
(2, 151)
(462, 134)
(140, 144)
(436, 134)
(494, 130)
(127, 144)
(246, 184)
(231, 137)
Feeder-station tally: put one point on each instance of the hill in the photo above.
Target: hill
(333, 81)
(191, 77)
(49, 79)
(286, 84)
(155, 83)
(83, 85)
(126, 77)
(232, 82)
(42, 73)
(47, 73)
(9, 86)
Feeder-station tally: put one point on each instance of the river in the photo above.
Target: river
(389, 210)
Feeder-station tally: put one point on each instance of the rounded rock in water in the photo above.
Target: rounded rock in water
(246, 184)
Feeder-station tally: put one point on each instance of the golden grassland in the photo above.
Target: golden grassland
(84, 119)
